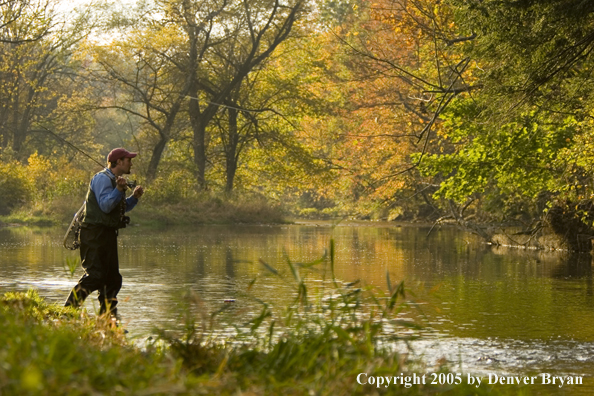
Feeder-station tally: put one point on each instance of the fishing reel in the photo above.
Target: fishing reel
(124, 221)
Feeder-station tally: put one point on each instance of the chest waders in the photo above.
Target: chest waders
(98, 233)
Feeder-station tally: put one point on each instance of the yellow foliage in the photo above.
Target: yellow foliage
(52, 178)
(15, 188)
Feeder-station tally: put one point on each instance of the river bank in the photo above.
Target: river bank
(211, 210)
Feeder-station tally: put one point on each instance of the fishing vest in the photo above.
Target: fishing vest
(93, 213)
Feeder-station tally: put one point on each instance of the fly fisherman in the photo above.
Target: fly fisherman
(103, 215)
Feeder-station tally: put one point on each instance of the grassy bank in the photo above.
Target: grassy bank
(210, 210)
(317, 345)
(207, 210)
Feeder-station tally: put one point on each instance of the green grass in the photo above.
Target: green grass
(207, 210)
(318, 344)
(21, 218)
(50, 350)
(210, 210)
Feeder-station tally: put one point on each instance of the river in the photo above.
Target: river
(485, 309)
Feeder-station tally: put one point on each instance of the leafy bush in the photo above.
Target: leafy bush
(41, 187)
(55, 178)
(15, 188)
(172, 188)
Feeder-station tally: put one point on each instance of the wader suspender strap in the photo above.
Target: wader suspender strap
(122, 202)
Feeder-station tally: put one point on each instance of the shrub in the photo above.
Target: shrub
(15, 188)
(172, 188)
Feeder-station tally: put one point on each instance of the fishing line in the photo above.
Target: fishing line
(74, 147)
(131, 184)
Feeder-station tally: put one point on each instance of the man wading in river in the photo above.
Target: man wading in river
(103, 215)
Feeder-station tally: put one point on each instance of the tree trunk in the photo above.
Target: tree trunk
(199, 129)
(200, 121)
(230, 149)
(151, 172)
(22, 129)
(200, 155)
(16, 144)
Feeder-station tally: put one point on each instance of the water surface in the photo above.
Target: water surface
(488, 309)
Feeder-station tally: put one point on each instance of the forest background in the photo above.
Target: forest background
(472, 111)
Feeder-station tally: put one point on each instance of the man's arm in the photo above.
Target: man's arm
(108, 197)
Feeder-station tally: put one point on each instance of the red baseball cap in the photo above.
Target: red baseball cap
(119, 153)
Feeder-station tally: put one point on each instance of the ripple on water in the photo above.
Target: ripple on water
(507, 356)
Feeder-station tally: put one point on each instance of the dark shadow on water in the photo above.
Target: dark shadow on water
(200, 265)
(229, 264)
(577, 266)
(573, 265)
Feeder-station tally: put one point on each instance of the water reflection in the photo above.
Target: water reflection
(573, 265)
(489, 307)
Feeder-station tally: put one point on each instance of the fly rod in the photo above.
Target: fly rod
(130, 184)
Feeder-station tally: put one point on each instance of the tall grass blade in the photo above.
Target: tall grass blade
(220, 310)
(271, 333)
(294, 270)
(353, 283)
(315, 262)
(71, 265)
(258, 320)
(399, 291)
(268, 267)
(251, 284)
(332, 262)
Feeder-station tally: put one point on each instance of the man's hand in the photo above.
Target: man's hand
(138, 191)
(121, 184)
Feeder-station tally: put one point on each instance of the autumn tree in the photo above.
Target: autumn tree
(260, 123)
(143, 84)
(396, 66)
(247, 34)
(191, 56)
(36, 46)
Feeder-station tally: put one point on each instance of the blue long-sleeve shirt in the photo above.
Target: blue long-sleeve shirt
(107, 196)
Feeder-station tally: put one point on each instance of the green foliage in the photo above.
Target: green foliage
(532, 51)
(518, 142)
(15, 188)
(171, 187)
(517, 160)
